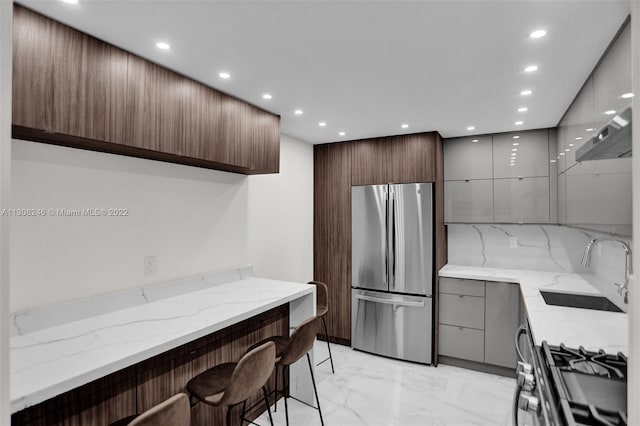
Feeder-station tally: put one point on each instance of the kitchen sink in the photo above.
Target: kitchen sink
(583, 301)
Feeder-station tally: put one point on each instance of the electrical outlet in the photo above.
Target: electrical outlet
(513, 242)
(149, 266)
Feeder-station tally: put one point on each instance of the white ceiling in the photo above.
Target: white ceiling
(366, 67)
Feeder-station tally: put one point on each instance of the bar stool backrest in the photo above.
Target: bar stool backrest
(300, 342)
(251, 373)
(322, 295)
(175, 411)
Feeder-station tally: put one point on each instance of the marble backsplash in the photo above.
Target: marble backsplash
(551, 248)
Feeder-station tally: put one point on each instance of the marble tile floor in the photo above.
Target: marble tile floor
(371, 390)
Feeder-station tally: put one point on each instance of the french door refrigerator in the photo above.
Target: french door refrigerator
(392, 270)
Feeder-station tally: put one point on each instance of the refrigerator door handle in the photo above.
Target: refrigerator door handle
(399, 302)
(387, 280)
(392, 242)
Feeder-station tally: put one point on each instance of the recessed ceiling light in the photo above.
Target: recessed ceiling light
(512, 164)
(341, 133)
(224, 75)
(590, 129)
(562, 153)
(531, 68)
(567, 150)
(322, 124)
(523, 109)
(404, 126)
(516, 137)
(298, 112)
(552, 161)
(628, 95)
(471, 128)
(267, 96)
(570, 144)
(526, 92)
(514, 149)
(519, 123)
(516, 143)
(475, 140)
(538, 34)
(579, 138)
(163, 45)
(71, 1)
(610, 112)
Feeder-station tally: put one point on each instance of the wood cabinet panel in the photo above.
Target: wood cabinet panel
(332, 233)
(412, 158)
(89, 82)
(32, 70)
(370, 162)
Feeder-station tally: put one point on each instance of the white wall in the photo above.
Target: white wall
(193, 220)
(281, 216)
(6, 32)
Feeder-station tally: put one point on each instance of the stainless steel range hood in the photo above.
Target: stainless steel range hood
(612, 141)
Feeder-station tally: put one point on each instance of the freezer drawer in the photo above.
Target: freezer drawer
(462, 342)
(392, 325)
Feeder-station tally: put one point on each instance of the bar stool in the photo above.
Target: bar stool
(175, 411)
(322, 307)
(289, 350)
(231, 383)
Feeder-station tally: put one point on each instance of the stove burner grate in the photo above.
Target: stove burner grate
(595, 363)
(583, 414)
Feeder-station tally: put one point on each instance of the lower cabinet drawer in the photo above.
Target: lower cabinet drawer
(461, 342)
(461, 310)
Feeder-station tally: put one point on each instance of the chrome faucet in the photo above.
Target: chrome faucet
(586, 260)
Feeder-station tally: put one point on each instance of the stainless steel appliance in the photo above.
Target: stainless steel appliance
(612, 141)
(559, 386)
(392, 270)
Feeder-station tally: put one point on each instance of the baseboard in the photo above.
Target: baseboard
(478, 366)
(336, 340)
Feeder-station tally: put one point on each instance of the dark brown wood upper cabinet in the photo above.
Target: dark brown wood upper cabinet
(72, 89)
(394, 159)
(32, 70)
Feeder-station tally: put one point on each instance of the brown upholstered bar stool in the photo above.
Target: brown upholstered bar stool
(322, 307)
(290, 349)
(231, 383)
(175, 411)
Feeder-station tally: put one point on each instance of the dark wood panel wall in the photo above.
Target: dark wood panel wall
(337, 167)
(141, 386)
(74, 90)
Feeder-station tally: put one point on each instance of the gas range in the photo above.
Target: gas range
(590, 387)
(573, 387)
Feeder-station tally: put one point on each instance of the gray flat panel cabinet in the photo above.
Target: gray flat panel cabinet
(461, 310)
(529, 151)
(521, 200)
(580, 122)
(462, 286)
(599, 199)
(612, 79)
(502, 318)
(468, 201)
(461, 342)
(468, 158)
(562, 198)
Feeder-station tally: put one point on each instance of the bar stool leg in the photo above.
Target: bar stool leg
(229, 415)
(275, 404)
(284, 388)
(266, 401)
(326, 333)
(244, 407)
(313, 381)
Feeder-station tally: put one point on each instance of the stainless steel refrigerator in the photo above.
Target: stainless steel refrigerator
(392, 270)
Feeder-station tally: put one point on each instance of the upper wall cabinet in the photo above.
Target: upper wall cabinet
(72, 89)
(522, 154)
(394, 159)
(468, 158)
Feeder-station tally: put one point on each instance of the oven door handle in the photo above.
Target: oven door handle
(521, 330)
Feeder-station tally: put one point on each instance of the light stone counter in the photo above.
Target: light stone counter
(50, 361)
(557, 324)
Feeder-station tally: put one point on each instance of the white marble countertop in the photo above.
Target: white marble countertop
(557, 324)
(51, 361)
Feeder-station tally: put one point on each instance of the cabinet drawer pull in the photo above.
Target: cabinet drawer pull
(461, 328)
(461, 295)
(466, 180)
(520, 178)
(192, 352)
